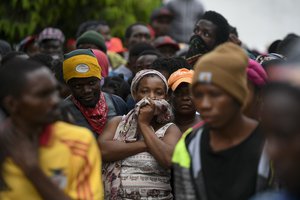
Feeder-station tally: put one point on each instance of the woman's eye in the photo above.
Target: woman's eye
(160, 93)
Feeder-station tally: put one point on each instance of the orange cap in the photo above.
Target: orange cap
(115, 45)
(180, 76)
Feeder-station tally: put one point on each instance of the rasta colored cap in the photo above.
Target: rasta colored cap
(80, 63)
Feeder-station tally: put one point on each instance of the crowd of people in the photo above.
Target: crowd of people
(178, 109)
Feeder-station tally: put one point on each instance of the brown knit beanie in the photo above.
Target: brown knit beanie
(225, 67)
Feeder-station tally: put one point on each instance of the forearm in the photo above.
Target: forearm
(116, 150)
(161, 151)
(45, 187)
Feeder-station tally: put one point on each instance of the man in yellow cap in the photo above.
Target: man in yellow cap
(222, 157)
(90, 107)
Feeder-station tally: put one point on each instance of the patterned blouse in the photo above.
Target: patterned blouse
(143, 178)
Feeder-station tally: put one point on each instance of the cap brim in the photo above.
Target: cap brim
(181, 80)
(175, 46)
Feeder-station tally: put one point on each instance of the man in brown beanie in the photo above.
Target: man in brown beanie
(221, 158)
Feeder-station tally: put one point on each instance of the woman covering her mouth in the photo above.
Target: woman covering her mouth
(138, 147)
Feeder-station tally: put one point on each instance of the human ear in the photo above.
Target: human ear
(10, 104)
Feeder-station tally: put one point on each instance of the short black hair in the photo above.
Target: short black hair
(139, 48)
(151, 52)
(119, 86)
(13, 54)
(170, 65)
(58, 71)
(233, 31)
(274, 46)
(288, 45)
(13, 76)
(87, 25)
(223, 28)
(45, 59)
(129, 29)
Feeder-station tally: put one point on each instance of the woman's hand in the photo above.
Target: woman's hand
(146, 113)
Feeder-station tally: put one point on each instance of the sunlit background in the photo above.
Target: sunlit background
(259, 22)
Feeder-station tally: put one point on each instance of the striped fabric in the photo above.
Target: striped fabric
(51, 33)
(71, 159)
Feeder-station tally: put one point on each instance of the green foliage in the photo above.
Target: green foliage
(20, 18)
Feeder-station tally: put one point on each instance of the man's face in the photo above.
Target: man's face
(53, 48)
(139, 34)
(182, 100)
(144, 62)
(280, 120)
(207, 31)
(38, 102)
(215, 106)
(104, 30)
(161, 25)
(86, 90)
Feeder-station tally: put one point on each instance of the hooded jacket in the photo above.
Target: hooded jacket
(189, 183)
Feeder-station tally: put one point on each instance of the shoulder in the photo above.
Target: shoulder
(115, 120)
(171, 127)
(190, 133)
(66, 131)
(117, 99)
(67, 103)
(117, 102)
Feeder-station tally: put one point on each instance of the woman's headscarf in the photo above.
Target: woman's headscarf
(141, 74)
(127, 132)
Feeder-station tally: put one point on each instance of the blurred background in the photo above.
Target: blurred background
(259, 22)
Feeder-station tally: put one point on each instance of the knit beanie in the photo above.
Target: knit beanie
(224, 67)
(256, 74)
(92, 37)
(80, 63)
(102, 61)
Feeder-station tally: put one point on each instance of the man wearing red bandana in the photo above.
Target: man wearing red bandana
(90, 107)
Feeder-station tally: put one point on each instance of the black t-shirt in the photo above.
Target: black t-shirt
(231, 174)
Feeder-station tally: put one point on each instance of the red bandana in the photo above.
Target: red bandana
(96, 116)
(45, 137)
